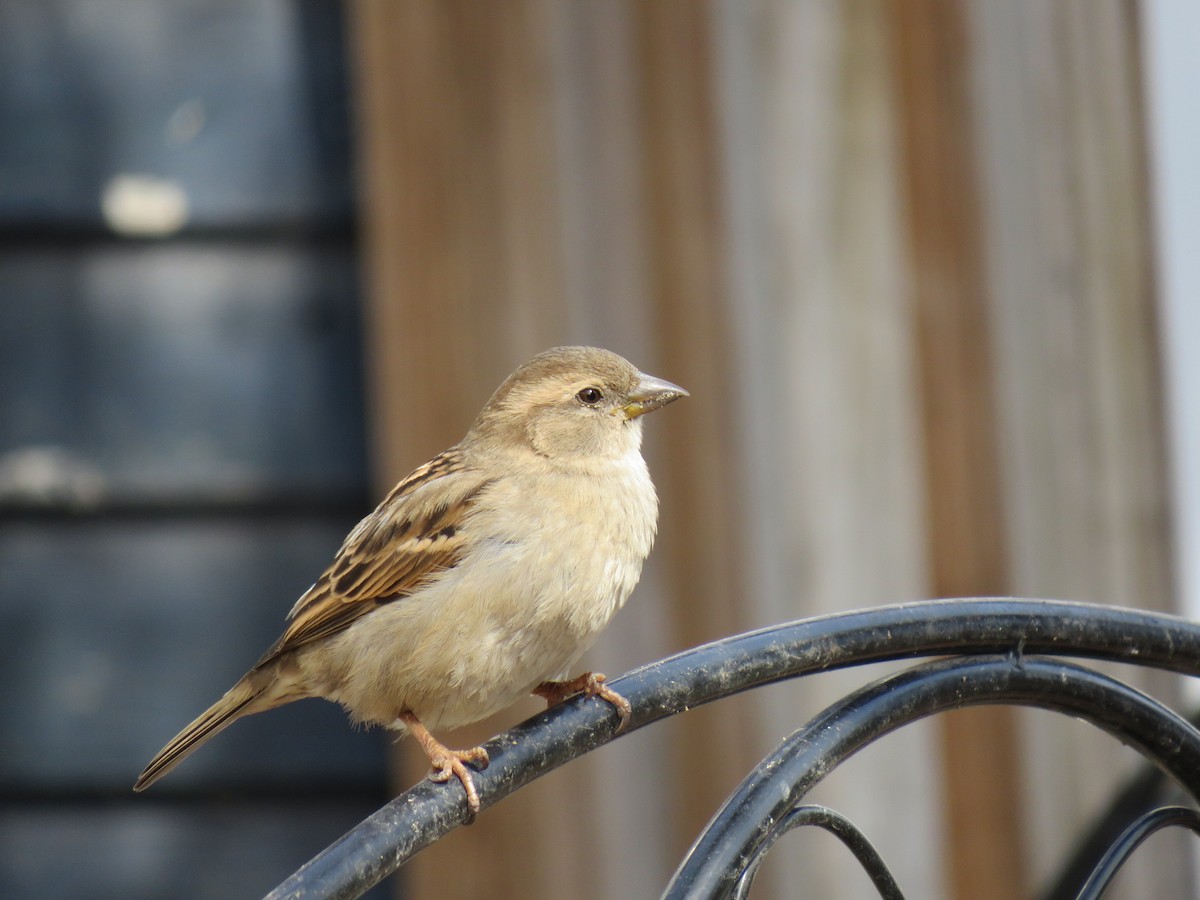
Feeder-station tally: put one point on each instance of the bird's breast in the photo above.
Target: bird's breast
(579, 549)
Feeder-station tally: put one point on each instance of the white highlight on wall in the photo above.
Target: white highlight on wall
(144, 205)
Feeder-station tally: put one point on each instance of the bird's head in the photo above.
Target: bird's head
(574, 403)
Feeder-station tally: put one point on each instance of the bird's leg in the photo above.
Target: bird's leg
(590, 684)
(447, 762)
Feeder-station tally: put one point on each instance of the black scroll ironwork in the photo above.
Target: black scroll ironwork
(1000, 651)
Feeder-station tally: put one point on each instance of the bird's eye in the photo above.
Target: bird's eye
(590, 395)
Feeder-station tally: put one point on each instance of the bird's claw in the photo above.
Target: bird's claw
(604, 692)
(453, 763)
(447, 762)
(590, 684)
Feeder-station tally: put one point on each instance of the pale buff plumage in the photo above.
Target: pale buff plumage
(483, 576)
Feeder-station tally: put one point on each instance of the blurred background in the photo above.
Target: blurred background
(928, 269)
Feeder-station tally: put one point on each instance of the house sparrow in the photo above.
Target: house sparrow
(483, 576)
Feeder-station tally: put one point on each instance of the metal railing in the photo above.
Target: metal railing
(995, 651)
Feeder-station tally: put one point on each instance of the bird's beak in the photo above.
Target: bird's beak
(650, 394)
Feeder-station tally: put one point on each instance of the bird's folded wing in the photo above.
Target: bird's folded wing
(416, 532)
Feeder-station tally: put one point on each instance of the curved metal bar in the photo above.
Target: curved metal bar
(385, 840)
(845, 830)
(1130, 839)
(1148, 789)
(735, 835)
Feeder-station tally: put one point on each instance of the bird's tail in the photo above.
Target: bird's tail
(253, 693)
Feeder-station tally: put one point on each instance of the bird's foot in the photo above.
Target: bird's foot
(445, 762)
(452, 762)
(590, 684)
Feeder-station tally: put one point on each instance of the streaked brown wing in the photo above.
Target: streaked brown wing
(415, 533)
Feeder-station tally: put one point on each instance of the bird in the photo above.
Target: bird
(482, 577)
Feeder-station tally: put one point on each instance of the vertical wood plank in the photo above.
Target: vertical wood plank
(966, 526)
(681, 190)
(629, 785)
(459, 215)
(828, 419)
(1059, 114)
